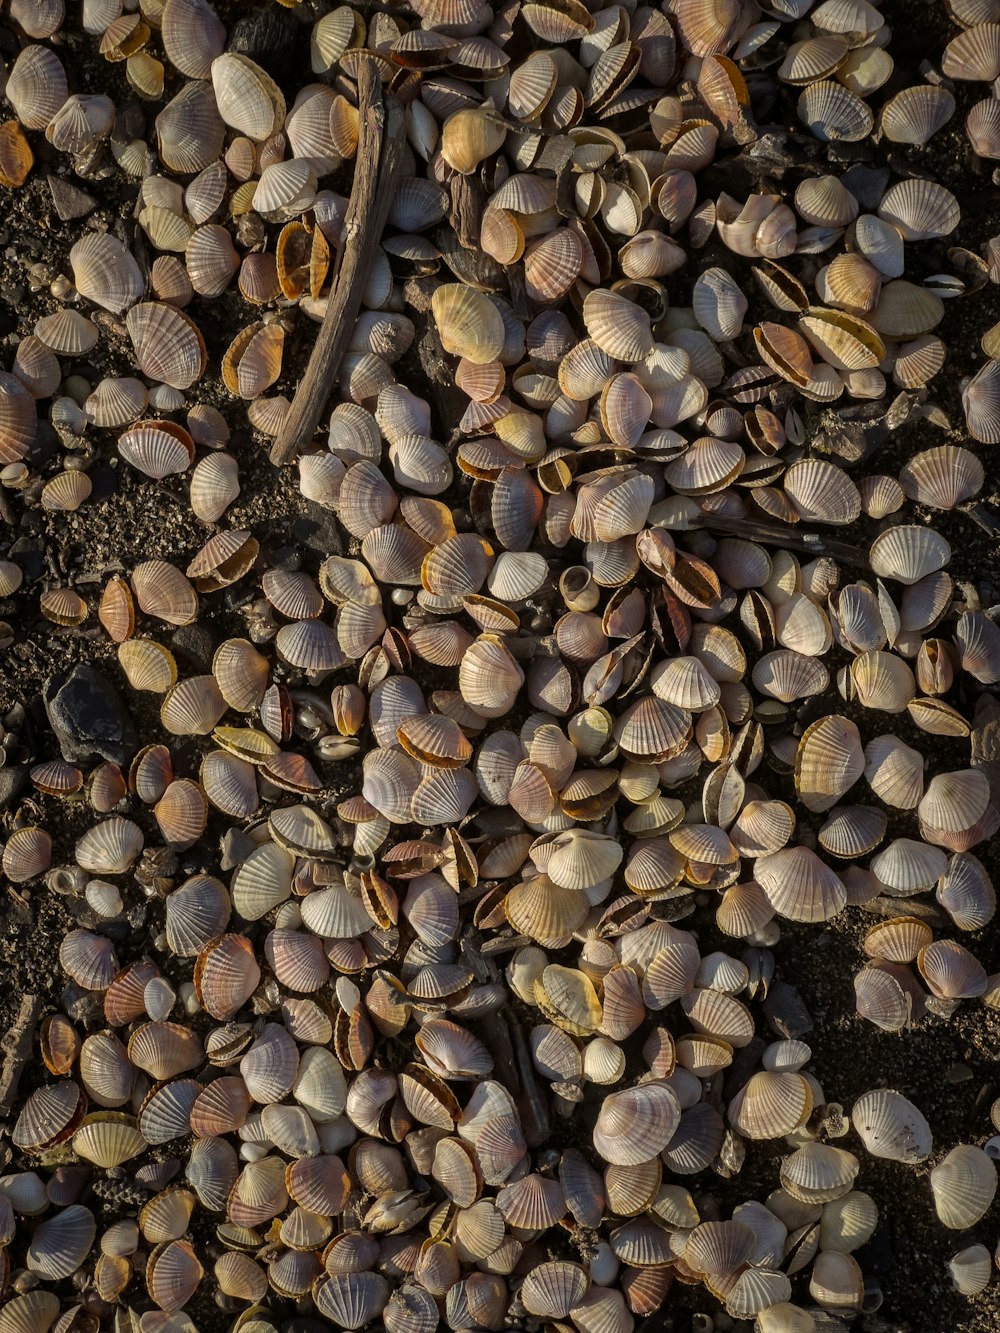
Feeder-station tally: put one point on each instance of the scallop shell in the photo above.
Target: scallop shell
(633, 1121)
(973, 54)
(105, 272)
(248, 99)
(833, 114)
(468, 322)
(891, 1127)
(963, 1185)
(168, 345)
(915, 115)
(36, 86)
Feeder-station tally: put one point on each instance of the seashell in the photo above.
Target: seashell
(285, 188)
(973, 54)
(920, 209)
(979, 400)
(116, 402)
(168, 345)
(67, 332)
(971, 1270)
(891, 1127)
(799, 885)
(618, 326)
(771, 1105)
(915, 115)
(905, 310)
(105, 272)
(828, 761)
(38, 19)
(108, 1139)
(37, 367)
(836, 1281)
(821, 492)
(963, 1185)
(197, 912)
(157, 448)
(909, 553)
(718, 304)
(63, 606)
(351, 1300)
(210, 259)
(950, 971)
(248, 99)
(27, 854)
(469, 324)
(966, 893)
(80, 122)
(61, 1243)
(818, 1173)
(833, 114)
(848, 1222)
(49, 1116)
(173, 1273)
(252, 362)
(36, 86)
(633, 1120)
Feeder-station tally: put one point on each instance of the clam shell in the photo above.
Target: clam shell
(36, 86)
(915, 115)
(105, 272)
(890, 1126)
(963, 1185)
(468, 323)
(60, 1243)
(168, 345)
(833, 114)
(248, 99)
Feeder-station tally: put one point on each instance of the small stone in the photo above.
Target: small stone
(268, 36)
(867, 184)
(89, 717)
(194, 643)
(786, 1012)
(12, 780)
(318, 531)
(69, 200)
(957, 1073)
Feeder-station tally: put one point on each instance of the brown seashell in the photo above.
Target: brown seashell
(16, 157)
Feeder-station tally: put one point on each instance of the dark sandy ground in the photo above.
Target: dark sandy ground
(949, 1068)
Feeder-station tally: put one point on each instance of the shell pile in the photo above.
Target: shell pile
(423, 938)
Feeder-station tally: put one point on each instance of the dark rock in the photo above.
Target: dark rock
(786, 1012)
(194, 643)
(29, 552)
(269, 37)
(104, 480)
(745, 1064)
(318, 531)
(12, 780)
(285, 557)
(867, 184)
(67, 1183)
(239, 595)
(69, 200)
(89, 717)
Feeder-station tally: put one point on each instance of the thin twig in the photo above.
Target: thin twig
(812, 543)
(16, 1045)
(380, 144)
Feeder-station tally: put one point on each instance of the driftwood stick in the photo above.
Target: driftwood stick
(380, 143)
(16, 1046)
(811, 543)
